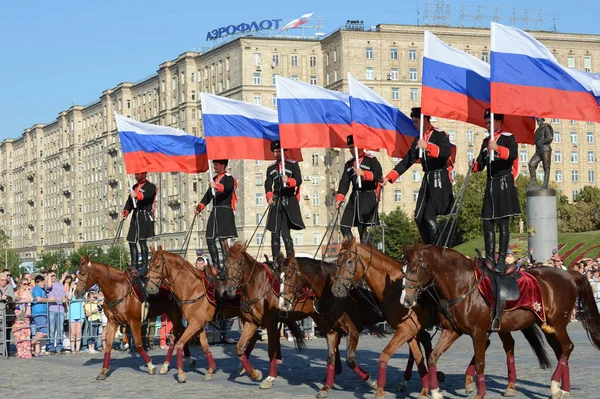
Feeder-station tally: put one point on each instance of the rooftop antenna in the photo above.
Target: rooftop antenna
(418, 14)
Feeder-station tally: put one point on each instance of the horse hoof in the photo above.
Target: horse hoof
(510, 392)
(372, 384)
(152, 370)
(256, 375)
(181, 378)
(470, 387)
(435, 394)
(164, 370)
(422, 397)
(555, 390)
(441, 376)
(101, 377)
(266, 384)
(208, 377)
(380, 393)
(564, 394)
(322, 394)
(241, 370)
(402, 387)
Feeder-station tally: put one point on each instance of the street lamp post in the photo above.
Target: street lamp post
(382, 236)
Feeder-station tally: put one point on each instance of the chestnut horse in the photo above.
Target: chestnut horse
(187, 286)
(452, 275)
(122, 307)
(383, 275)
(348, 316)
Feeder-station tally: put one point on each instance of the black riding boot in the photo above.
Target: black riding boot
(432, 230)
(288, 242)
(133, 250)
(214, 252)
(489, 238)
(144, 252)
(364, 234)
(346, 232)
(503, 244)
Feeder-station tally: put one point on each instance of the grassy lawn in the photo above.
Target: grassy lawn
(569, 241)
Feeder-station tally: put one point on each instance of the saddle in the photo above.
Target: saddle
(138, 284)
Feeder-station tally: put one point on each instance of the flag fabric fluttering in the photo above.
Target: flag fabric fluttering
(311, 116)
(154, 148)
(527, 79)
(238, 130)
(456, 85)
(297, 22)
(376, 124)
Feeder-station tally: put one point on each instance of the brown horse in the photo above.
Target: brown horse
(383, 275)
(122, 307)
(348, 316)
(188, 287)
(453, 277)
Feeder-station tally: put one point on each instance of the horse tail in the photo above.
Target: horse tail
(590, 317)
(377, 331)
(533, 335)
(298, 334)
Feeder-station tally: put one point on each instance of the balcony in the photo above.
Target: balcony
(31, 226)
(67, 220)
(113, 211)
(112, 181)
(31, 201)
(30, 175)
(1, 186)
(66, 164)
(173, 200)
(66, 192)
(1, 209)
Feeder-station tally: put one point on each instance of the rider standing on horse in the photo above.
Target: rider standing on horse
(282, 189)
(221, 222)
(142, 220)
(435, 196)
(500, 200)
(361, 210)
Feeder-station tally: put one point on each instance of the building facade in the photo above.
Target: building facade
(63, 184)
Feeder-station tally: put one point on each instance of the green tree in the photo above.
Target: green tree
(9, 258)
(94, 252)
(399, 230)
(48, 259)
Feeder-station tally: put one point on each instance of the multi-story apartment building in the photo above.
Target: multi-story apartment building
(63, 184)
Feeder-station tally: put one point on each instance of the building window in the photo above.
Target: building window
(327, 59)
(273, 79)
(485, 56)
(370, 73)
(256, 59)
(327, 79)
(591, 176)
(557, 156)
(315, 159)
(274, 100)
(416, 175)
(556, 137)
(193, 77)
(275, 60)
(573, 137)
(258, 218)
(316, 238)
(451, 136)
(369, 53)
(397, 196)
(590, 157)
(259, 238)
(294, 60)
(587, 64)
(415, 195)
(334, 55)
(412, 54)
(257, 100)
(575, 176)
(313, 61)
(256, 78)
(315, 180)
(556, 121)
(258, 179)
(393, 53)
(394, 74)
(259, 200)
(294, 77)
(523, 156)
(193, 95)
(470, 155)
(589, 136)
(316, 201)
(414, 94)
(574, 157)
(574, 122)
(571, 61)
(470, 137)
(558, 176)
(412, 74)
(575, 194)
(335, 77)
(298, 239)
(395, 93)
(313, 80)
(316, 219)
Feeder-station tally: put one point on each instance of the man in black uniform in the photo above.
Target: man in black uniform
(435, 195)
(361, 210)
(221, 222)
(500, 200)
(142, 220)
(543, 137)
(282, 188)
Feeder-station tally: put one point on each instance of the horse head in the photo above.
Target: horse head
(418, 273)
(234, 265)
(291, 283)
(157, 270)
(350, 269)
(85, 276)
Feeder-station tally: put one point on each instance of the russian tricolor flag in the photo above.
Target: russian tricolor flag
(376, 124)
(528, 80)
(456, 85)
(311, 116)
(153, 148)
(297, 22)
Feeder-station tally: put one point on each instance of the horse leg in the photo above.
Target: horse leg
(402, 387)
(193, 327)
(250, 348)
(351, 344)
(338, 359)
(273, 337)
(247, 332)
(136, 331)
(332, 338)
(446, 340)
(560, 386)
(509, 348)
(212, 366)
(470, 385)
(111, 328)
(479, 346)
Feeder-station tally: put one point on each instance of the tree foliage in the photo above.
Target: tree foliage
(10, 258)
(582, 215)
(399, 230)
(116, 256)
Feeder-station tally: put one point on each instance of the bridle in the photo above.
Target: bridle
(417, 283)
(350, 283)
(291, 287)
(89, 271)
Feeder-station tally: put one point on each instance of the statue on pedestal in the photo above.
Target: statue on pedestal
(543, 137)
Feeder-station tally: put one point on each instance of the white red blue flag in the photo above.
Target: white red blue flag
(297, 22)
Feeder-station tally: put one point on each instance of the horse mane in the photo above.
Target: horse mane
(311, 265)
(108, 272)
(449, 255)
(238, 250)
(180, 262)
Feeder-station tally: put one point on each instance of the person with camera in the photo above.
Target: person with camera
(56, 312)
(7, 299)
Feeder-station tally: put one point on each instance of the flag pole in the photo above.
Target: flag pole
(492, 154)
(210, 174)
(130, 190)
(357, 166)
(421, 123)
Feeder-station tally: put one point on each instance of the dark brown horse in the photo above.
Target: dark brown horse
(348, 316)
(122, 307)
(188, 287)
(453, 277)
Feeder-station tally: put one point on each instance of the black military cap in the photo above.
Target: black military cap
(275, 145)
(222, 161)
(415, 112)
(350, 140)
(497, 117)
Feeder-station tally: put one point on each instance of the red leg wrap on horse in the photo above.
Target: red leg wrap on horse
(106, 363)
(330, 374)
(169, 353)
(179, 359)
(186, 350)
(409, 367)
(210, 360)
(381, 374)
(145, 356)
(427, 355)
(470, 370)
(565, 383)
(246, 364)
(362, 374)
(423, 374)
(512, 370)
(273, 368)
(557, 375)
(433, 381)
(481, 389)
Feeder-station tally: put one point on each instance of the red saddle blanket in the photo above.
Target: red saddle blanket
(139, 295)
(276, 284)
(530, 294)
(210, 288)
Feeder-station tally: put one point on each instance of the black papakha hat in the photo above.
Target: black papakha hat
(350, 140)
(497, 117)
(275, 145)
(222, 161)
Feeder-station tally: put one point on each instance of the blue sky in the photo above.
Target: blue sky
(63, 52)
